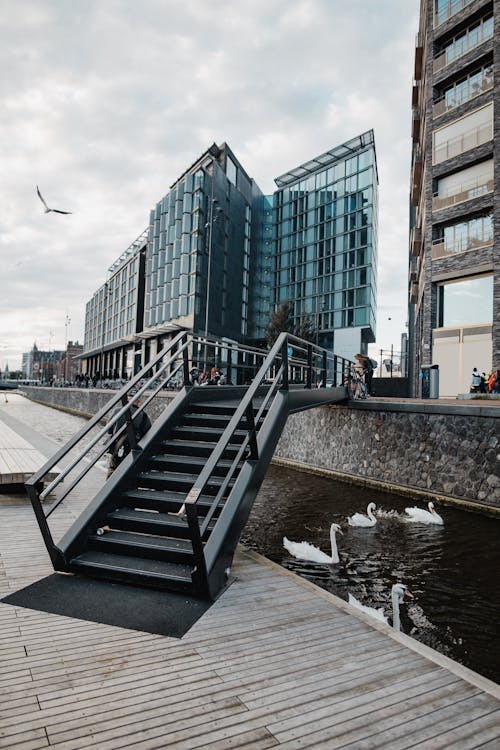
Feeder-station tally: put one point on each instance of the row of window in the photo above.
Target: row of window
(304, 201)
(465, 89)
(345, 168)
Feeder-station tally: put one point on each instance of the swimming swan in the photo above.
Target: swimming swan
(306, 551)
(420, 515)
(358, 519)
(398, 591)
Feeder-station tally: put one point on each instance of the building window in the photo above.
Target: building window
(463, 90)
(464, 236)
(465, 302)
(463, 134)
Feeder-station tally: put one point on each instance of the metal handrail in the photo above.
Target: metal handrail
(124, 411)
(270, 372)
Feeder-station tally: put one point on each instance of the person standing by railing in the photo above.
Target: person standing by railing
(120, 447)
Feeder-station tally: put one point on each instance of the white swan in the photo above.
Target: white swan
(420, 515)
(398, 591)
(358, 519)
(377, 613)
(306, 551)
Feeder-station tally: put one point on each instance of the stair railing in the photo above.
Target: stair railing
(175, 358)
(277, 358)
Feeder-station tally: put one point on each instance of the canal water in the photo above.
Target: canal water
(452, 570)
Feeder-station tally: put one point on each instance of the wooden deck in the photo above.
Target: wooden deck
(19, 460)
(275, 662)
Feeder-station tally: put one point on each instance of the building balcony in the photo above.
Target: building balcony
(413, 293)
(416, 178)
(415, 93)
(416, 242)
(419, 57)
(456, 146)
(462, 193)
(415, 127)
(448, 10)
(462, 46)
(442, 249)
(447, 103)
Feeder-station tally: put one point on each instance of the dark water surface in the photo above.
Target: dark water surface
(452, 570)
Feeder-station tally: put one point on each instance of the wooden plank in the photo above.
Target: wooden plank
(302, 671)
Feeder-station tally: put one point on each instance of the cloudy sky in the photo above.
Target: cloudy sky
(106, 102)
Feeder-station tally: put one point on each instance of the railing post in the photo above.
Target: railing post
(54, 553)
(309, 367)
(229, 355)
(199, 574)
(323, 370)
(185, 362)
(335, 381)
(284, 356)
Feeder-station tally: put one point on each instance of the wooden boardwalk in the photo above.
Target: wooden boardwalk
(275, 662)
(19, 460)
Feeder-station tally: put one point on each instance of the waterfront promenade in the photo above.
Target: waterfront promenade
(274, 662)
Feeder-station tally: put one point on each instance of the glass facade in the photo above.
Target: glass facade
(326, 243)
(219, 255)
(115, 310)
(199, 248)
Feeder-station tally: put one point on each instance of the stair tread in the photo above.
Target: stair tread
(144, 540)
(189, 460)
(168, 496)
(128, 563)
(188, 445)
(173, 476)
(148, 516)
(161, 520)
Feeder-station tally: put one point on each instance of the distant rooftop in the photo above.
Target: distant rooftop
(349, 148)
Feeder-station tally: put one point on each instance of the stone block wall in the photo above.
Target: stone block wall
(447, 454)
(450, 451)
(88, 401)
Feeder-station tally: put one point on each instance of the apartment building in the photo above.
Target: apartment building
(454, 267)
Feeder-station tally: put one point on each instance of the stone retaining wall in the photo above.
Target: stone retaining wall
(450, 451)
(439, 451)
(87, 401)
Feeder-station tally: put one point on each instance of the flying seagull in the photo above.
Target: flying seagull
(47, 209)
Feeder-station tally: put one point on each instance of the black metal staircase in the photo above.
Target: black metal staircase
(171, 514)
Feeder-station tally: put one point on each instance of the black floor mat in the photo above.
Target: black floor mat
(148, 610)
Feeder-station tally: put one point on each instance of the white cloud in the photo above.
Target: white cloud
(106, 102)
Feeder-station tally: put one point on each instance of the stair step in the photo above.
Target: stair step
(209, 407)
(176, 481)
(193, 448)
(193, 464)
(161, 500)
(206, 420)
(208, 434)
(135, 570)
(149, 522)
(143, 545)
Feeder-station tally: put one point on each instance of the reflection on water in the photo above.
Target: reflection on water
(452, 570)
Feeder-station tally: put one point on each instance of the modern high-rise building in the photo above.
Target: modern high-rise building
(326, 214)
(454, 268)
(219, 256)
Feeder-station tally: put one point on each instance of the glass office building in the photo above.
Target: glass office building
(219, 256)
(199, 251)
(326, 244)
